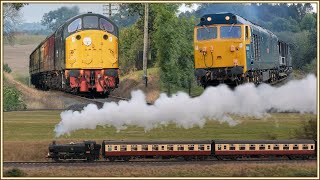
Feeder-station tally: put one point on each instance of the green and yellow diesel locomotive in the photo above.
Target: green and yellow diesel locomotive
(81, 56)
(230, 49)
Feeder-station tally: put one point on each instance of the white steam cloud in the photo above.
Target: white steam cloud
(216, 103)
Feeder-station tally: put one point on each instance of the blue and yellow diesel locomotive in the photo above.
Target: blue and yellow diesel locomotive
(80, 56)
(230, 49)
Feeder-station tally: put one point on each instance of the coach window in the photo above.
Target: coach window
(144, 147)
(162, 147)
(276, 147)
(90, 22)
(208, 147)
(75, 25)
(252, 147)
(269, 147)
(106, 25)
(224, 147)
(232, 147)
(262, 147)
(286, 147)
(180, 148)
(123, 148)
(242, 147)
(295, 147)
(134, 148)
(155, 147)
(311, 147)
(116, 148)
(170, 147)
(190, 147)
(305, 146)
(109, 148)
(201, 147)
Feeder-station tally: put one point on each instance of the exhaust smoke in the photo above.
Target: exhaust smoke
(215, 103)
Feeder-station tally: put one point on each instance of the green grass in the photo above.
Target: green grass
(39, 126)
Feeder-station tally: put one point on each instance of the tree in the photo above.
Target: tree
(308, 22)
(11, 17)
(54, 19)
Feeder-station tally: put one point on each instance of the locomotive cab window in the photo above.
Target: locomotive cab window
(247, 32)
(206, 33)
(90, 22)
(106, 25)
(230, 32)
(75, 25)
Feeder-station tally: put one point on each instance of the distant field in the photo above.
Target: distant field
(27, 39)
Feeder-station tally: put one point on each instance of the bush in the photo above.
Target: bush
(308, 130)
(12, 99)
(6, 68)
(15, 172)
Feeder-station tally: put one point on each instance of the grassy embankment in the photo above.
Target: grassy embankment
(304, 169)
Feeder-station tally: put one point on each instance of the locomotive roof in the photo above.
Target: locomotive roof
(220, 18)
(87, 14)
(307, 141)
(157, 142)
(72, 19)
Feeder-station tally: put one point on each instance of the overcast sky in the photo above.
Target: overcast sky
(34, 11)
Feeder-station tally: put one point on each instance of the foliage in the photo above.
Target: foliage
(12, 99)
(15, 172)
(308, 129)
(6, 68)
(11, 17)
(53, 19)
(131, 41)
(308, 22)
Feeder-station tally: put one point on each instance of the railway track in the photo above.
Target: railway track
(149, 162)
